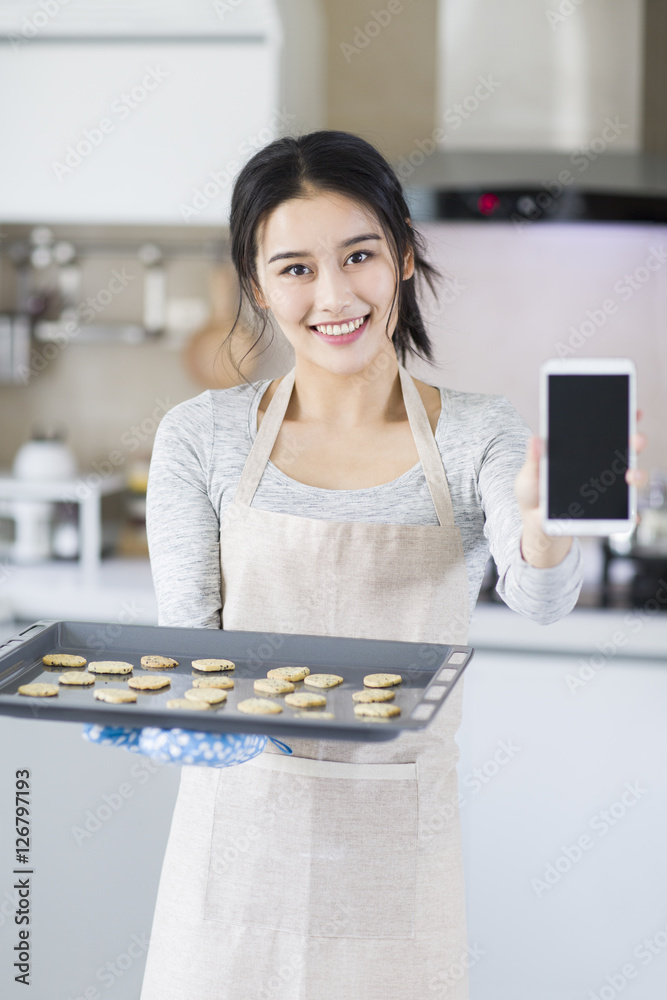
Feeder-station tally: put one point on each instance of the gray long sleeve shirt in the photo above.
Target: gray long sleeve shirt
(201, 447)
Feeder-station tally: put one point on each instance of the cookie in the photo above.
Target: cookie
(110, 667)
(259, 706)
(272, 685)
(289, 673)
(147, 683)
(305, 699)
(185, 703)
(63, 660)
(323, 680)
(382, 680)
(310, 714)
(379, 694)
(375, 711)
(77, 677)
(158, 662)
(209, 695)
(210, 664)
(115, 696)
(38, 689)
(222, 683)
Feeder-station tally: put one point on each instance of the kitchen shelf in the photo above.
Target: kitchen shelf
(83, 491)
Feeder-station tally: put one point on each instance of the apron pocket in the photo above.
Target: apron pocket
(315, 847)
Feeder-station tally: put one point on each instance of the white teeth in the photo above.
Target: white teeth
(337, 329)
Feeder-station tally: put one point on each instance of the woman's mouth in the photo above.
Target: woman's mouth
(341, 333)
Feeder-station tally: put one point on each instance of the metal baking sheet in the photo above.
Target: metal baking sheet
(429, 674)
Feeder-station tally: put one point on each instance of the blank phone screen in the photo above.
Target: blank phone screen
(588, 447)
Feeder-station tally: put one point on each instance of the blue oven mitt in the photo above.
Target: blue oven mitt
(183, 746)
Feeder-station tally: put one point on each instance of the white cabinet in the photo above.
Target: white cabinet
(143, 115)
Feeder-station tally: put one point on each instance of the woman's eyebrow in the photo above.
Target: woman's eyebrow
(308, 253)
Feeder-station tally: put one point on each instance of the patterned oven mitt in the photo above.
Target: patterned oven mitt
(183, 746)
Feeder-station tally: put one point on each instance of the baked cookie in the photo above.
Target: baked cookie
(148, 683)
(38, 689)
(272, 685)
(115, 696)
(77, 677)
(209, 695)
(213, 664)
(110, 667)
(376, 711)
(222, 683)
(259, 706)
(293, 674)
(382, 680)
(186, 703)
(323, 680)
(379, 694)
(63, 660)
(305, 699)
(158, 662)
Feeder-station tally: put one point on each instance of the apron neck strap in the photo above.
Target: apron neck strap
(427, 449)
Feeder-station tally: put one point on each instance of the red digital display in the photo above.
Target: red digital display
(488, 203)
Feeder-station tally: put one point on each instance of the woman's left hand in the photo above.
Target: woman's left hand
(527, 483)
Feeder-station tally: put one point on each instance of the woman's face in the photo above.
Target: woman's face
(323, 261)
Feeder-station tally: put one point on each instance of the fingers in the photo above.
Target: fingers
(534, 449)
(637, 477)
(638, 441)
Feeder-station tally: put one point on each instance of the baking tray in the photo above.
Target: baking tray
(429, 673)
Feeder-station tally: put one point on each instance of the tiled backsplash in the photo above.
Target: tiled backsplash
(110, 395)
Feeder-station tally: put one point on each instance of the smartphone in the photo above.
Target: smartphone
(587, 419)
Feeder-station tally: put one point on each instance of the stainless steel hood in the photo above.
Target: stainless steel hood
(542, 114)
(525, 187)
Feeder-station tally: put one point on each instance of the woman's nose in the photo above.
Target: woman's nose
(332, 293)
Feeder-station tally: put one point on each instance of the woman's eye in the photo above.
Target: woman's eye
(360, 253)
(303, 269)
(289, 270)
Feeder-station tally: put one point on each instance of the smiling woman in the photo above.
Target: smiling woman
(345, 498)
(293, 190)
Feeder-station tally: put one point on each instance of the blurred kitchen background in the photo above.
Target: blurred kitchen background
(531, 137)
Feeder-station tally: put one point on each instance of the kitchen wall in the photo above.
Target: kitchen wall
(655, 77)
(513, 297)
(381, 70)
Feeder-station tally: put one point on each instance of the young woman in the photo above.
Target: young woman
(344, 498)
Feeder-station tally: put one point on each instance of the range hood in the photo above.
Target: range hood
(527, 187)
(540, 115)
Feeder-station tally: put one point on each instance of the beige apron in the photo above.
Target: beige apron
(335, 873)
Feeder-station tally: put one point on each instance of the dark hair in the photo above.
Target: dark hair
(330, 160)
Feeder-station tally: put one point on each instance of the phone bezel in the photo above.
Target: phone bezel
(587, 366)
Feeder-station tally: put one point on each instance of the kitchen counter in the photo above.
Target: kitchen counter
(121, 590)
(604, 632)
